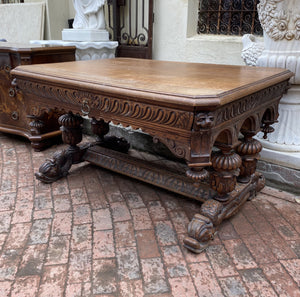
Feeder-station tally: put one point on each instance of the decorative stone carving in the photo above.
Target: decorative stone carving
(252, 49)
(95, 50)
(89, 22)
(88, 35)
(280, 20)
(89, 14)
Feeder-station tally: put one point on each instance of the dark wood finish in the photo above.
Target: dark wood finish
(197, 110)
(16, 117)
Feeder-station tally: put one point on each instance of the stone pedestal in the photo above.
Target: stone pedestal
(86, 50)
(286, 137)
(281, 48)
(85, 35)
(89, 35)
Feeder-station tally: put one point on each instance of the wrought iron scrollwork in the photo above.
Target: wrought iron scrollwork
(229, 17)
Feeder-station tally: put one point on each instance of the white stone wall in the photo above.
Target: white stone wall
(175, 36)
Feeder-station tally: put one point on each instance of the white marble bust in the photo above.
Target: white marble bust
(89, 14)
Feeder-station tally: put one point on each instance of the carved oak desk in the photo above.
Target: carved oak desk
(205, 114)
(43, 130)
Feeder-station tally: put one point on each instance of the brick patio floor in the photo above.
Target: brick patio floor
(96, 233)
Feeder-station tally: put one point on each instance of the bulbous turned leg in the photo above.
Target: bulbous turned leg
(226, 166)
(58, 166)
(71, 127)
(249, 150)
(101, 128)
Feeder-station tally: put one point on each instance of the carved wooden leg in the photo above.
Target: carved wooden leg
(226, 168)
(44, 129)
(101, 128)
(249, 150)
(36, 129)
(59, 165)
(202, 228)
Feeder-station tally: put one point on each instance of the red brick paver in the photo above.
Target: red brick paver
(97, 233)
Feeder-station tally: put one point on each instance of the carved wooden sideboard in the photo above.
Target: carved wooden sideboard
(15, 116)
(205, 114)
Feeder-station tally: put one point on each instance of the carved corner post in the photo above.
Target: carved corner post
(61, 162)
(201, 229)
(223, 178)
(201, 146)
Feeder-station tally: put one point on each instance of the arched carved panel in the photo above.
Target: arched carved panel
(228, 136)
(251, 124)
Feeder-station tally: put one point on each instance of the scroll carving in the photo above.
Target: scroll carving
(178, 149)
(201, 231)
(116, 106)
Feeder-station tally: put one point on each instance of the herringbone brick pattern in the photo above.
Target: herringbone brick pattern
(96, 233)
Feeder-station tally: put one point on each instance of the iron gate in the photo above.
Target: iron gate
(130, 23)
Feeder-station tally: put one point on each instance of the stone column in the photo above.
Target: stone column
(280, 20)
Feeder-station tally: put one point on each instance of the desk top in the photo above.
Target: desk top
(169, 83)
(28, 47)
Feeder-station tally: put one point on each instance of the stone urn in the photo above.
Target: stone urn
(280, 20)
